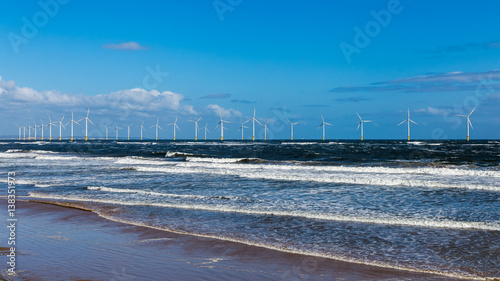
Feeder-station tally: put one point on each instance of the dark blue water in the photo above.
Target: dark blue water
(420, 206)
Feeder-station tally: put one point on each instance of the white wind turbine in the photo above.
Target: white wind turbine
(128, 131)
(221, 124)
(72, 121)
(86, 124)
(157, 126)
(242, 128)
(60, 127)
(408, 120)
(206, 130)
(469, 123)
(291, 128)
(20, 132)
(174, 125)
(34, 127)
(29, 130)
(323, 124)
(265, 129)
(106, 130)
(50, 128)
(195, 128)
(116, 130)
(24, 133)
(142, 128)
(253, 124)
(361, 121)
(41, 126)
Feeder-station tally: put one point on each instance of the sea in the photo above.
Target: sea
(421, 206)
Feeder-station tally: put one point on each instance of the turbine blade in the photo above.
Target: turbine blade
(470, 123)
(319, 126)
(402, 122)
(461, 115)
(358, 126)
(359, 117)
(413, 122)
(91, 122)
(472, 111)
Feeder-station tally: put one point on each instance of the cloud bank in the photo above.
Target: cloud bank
(128, 46)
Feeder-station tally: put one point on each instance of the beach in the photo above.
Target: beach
(62, 243)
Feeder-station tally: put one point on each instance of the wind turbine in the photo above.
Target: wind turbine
(86, 124)
(24, 133)
(106, 131)
(265, 129)
(20, 132)
(60, 125)
(29, 130)
(72, 121)
(195, 128)
(323, 124)
(291, 128)
(468, 122)
(174, 126)
(361, 121)
(116, 130)
(221, 123)
(34, 127)
(128, 131)
(253, 124)
(157, 126)
(41, 126)
(206, 130)
(142, 128)
(242, 128)
(50, 128)
(408, 120)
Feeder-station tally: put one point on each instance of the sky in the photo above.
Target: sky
(130, 62)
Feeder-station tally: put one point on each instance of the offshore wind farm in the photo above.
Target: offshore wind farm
(175, 127)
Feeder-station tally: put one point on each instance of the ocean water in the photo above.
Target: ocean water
(425, 206)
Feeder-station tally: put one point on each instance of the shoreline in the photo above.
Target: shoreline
(72, 243)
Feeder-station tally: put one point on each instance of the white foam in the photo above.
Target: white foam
(144, 192)
(137, 160)
(331, 217)
(342, 175)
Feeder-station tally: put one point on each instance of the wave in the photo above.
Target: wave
(153, 193)
(140, 160)
(358, 176)
(412, 222)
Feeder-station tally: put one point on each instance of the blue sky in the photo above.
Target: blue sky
(141, 60)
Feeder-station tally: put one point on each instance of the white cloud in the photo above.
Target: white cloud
(13, 96)
(130, 46)
(226, 113)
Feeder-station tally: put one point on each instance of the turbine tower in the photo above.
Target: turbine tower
(221, 124)
(242, 128)
(60, 129)
(29, 130)
(50, 128)
(106, 131)
(72, 121)
(128, 131)
(265, 129)
(253, 124)
(20, 132)
(41, 126)
(195, 128)
(291, 128)
(116, 130)
(34, 127)
(142, 128)
(174, 126)
(86, 124)
(206, 130)
(408, 120)
(24, 133)
(157, 126)
(469, 123)
(323, 124)
(361, 121)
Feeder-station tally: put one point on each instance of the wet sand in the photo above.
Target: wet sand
(60, 243)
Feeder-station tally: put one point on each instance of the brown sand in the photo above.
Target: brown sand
(59, 243)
